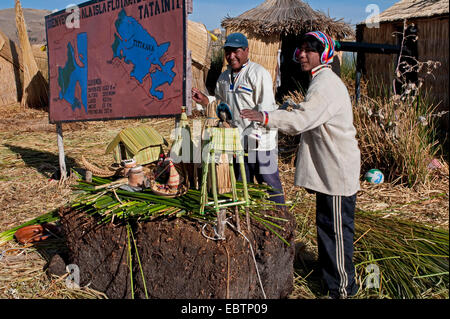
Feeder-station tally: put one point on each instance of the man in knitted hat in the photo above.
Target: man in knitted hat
(328, 160)
(246, 85)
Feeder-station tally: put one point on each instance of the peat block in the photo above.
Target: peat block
(100, 252)
(179, 262)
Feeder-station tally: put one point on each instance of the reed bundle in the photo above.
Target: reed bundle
(35, 87)
(413, 259)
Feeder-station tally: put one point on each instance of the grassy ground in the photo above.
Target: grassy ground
(29, 159)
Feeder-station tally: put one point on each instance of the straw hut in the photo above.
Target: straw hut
(199, 43)
(428, 19)
(274, 28)
(144, 144)
(35, 87)
(11, 71)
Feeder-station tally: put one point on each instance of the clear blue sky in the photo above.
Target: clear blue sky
(211, 12)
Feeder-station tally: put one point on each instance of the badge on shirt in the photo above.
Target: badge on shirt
(243, 88)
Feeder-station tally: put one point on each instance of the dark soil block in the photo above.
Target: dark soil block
(179, 262)
(100, 252)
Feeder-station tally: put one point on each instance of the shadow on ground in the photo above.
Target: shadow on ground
(46, 163)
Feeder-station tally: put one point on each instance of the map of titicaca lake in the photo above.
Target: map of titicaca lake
(135, 45)
(124, 59)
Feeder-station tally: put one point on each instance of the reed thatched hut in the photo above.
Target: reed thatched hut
(11, 71)
(142, 143)
(428, 19)
(274, 28)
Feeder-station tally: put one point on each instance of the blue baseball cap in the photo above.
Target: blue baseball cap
(236, 40)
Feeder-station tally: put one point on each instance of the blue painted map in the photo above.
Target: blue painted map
(135, 45)
(73, 74)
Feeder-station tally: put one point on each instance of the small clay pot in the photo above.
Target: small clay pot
(136, 176)
(127, 165)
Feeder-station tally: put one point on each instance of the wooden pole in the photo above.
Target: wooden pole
(62, 161)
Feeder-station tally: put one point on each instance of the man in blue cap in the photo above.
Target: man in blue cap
(246, 85)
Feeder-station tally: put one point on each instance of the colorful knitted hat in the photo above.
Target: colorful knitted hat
(328, 43)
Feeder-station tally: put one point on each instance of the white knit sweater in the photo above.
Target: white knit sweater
(328, 159)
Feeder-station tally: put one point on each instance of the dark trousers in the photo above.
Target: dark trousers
(335, 232)
(263, 165)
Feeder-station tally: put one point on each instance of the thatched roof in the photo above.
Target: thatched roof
(143, 143)
(287, 17)
(408, 9)
(137, 138)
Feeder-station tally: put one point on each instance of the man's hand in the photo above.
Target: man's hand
(199, 97)
(252, 115)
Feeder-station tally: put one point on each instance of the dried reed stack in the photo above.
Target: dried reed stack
(35, 88)
(10, 71)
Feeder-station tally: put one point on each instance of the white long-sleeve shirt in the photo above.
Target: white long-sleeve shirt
(252, 89)
(328, 158)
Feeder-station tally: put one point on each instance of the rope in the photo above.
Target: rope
(217, 238)
(253, 255)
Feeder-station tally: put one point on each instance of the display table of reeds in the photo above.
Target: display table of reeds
(140, 245)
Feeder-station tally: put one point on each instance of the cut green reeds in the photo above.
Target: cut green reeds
(412, 258)
(145, 205)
